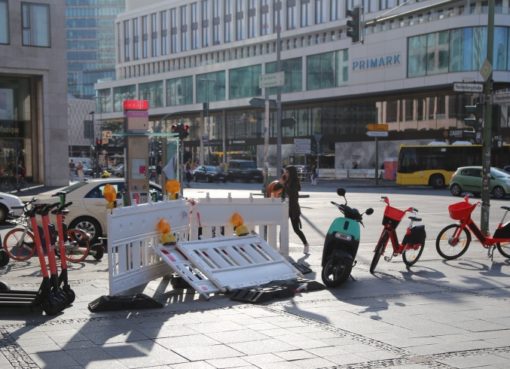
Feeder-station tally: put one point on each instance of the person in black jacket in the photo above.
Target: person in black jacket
(291, 188)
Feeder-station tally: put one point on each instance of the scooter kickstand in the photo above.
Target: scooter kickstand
(490, 252)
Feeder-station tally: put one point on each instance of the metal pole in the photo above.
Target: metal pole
(224, 137)
(487, 127)
(376, 161)
(278, 101)
(266, 139)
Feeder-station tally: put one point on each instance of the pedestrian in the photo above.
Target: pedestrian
(313, 175)
(291, 188)
(187, 173)
(79, 171)
(72, 169)
(159, 171)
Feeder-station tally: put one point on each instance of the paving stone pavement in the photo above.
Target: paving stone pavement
(388, 321)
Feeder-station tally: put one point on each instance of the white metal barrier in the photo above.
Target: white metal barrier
(268, 217)
(132, 234)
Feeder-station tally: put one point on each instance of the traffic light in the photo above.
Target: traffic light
(473, 115)
(354, 24)
(181, 129)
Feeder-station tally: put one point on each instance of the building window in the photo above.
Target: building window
(179, 91)
(104, 102)
(36, 24)
(293, 75)
(244, 82)
(154, 35)
(320, 11)
(227, 35)
(334, 11)
(252, 18)
(291, 14)
(327, 70)
(205, 23)
(305, 13)
(145, 36)
(152, 92)
(210, 87)
(122, 93)
(417, 56)
(194, 26)
(126, 40)
(264, 17)
(4, 22)
(173, 31)
(437, 52)
(164, 32)
(136, 50)
(184, 28)
(240, 20)
(216, 22)
(277, 15)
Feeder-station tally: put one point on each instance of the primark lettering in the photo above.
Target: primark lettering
(376, 62)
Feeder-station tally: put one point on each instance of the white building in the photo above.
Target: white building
(180, 54)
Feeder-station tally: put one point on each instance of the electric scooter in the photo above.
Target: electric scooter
(341, 243)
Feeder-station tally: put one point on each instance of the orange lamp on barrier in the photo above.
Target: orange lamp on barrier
(110, 195)
(238, 222)
(173, 187)
(166, 235)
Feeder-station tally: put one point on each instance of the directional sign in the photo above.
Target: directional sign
(258, 102)
(302, 145)
(468, 87)
(272, 80)
(486, 70)
(377, 133)
(501, 97)
(377, 127)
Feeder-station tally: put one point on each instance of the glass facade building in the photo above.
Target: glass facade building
(91, 48)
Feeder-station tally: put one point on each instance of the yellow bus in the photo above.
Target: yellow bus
(434, 164)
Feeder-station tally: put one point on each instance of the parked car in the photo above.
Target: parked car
(244, 170)
(506, 168)
(7, 201)
(88, 210)
(209, 173)
(469, 179)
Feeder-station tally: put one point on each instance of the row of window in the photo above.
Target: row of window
(35, 24)
(325, 70)
(456, 50)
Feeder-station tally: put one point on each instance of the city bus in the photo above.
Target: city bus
(434, 164)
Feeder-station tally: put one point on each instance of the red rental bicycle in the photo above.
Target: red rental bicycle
(413, 243)
(454, 239)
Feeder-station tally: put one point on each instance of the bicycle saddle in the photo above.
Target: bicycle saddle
(415, 219)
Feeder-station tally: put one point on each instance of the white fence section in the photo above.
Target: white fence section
(268, 217)
(132, 236)
(238, 262)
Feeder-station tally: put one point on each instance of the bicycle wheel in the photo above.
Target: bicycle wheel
(19, 244)
(379, 250)
(412, 253)
(449, 247)
(504, 249)
(76, 245)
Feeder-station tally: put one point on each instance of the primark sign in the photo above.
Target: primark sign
(376, 62)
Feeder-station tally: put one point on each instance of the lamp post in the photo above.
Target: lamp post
(93, 138)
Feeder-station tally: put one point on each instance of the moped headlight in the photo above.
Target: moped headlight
(344, 237)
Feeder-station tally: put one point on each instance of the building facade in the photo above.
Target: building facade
(200, 62)
(33, 92)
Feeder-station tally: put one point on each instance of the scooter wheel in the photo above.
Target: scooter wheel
(97, 251)
(70, 295)
(336, 271)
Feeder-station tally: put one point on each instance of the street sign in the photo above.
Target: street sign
(258, 102)
(272, 80)
(467, 87)
(302, 146)
(377, 133)
(486, 70)
(377, 127)
(502, 97)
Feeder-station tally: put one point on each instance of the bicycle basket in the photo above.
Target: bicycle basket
(461, 210)
(392, 216)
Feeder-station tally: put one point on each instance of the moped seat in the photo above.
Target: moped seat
(415, 219)
(505, 208)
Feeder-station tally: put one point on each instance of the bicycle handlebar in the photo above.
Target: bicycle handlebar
(61, 208)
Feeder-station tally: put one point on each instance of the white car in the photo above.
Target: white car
(88, 209)
(7, 201)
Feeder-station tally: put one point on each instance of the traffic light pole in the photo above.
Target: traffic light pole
(487, 127)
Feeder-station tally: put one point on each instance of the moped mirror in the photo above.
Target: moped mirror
(369, 211)
(340, 192)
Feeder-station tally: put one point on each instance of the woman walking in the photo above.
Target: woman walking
(291, 188)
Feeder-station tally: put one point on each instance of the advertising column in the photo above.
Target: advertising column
(137, 151)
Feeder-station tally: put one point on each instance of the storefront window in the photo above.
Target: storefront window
(327, 70)
(210, 87)
(293, 70)
(244, 82)
(152, 92)
(36, 24)
(122, 93)
(179, 91)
